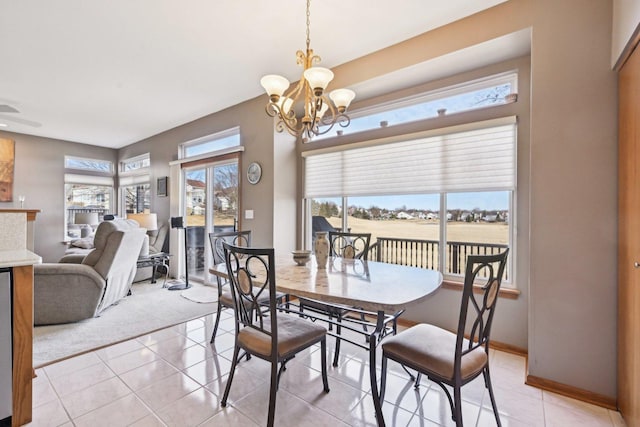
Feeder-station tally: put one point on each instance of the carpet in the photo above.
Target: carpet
(201, 294)
(147, 309)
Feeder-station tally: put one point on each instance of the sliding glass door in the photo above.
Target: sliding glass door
(211, 204)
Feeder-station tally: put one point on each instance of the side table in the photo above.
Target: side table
(154, 261)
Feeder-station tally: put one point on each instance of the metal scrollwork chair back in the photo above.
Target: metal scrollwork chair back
(447, 358)
(236, 238)
(349, 245)
(269, 334)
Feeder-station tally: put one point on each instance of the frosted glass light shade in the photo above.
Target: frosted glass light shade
(342, 98)
(90, 218)
(274, 84)
(148, 221)
(318, 77)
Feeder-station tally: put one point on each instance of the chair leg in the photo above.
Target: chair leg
(234, 362)
(487, 382)
(323, 349)
(383, 378)
(457, 409)
(336, 355)
(272, 394)
(215, 327)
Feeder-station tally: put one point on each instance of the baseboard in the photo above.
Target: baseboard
(572, 392)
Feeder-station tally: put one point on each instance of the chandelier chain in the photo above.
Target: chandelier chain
(308, 22)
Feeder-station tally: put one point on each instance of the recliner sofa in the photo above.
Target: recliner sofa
(68, 292)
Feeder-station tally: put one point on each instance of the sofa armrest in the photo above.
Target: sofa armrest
(65, 293)
(72, 259)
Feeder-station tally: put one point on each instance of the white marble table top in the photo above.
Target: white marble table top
(367, 284)
(18, 258)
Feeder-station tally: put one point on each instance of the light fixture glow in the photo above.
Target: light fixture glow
(3, 125)
(319, 111)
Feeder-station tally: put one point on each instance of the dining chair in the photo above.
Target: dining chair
(448, 358)
(349, 246)
(237, 238)
(269, 335)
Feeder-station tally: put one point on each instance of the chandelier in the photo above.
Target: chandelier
(319, 115)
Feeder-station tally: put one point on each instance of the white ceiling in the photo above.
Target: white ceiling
(111, 73)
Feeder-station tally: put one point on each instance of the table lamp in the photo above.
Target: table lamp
(88, 219)
(146, 220)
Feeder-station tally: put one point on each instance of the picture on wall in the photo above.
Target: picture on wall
(7, 160)
(162, 187)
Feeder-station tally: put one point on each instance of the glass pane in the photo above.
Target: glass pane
(137, 198)
(446, 101)
(225, 203)
(82, 198)
(477, 223)
(404, 228)
(133, 165)
(210, 146)
(88, 164)
(326, 215)
(195, 214)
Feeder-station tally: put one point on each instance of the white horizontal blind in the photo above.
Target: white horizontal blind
(132, 179)
(70, 178)
(480, 159)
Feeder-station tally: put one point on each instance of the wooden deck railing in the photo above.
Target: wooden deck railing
(426, 253)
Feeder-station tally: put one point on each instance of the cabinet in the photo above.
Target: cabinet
(629, 240)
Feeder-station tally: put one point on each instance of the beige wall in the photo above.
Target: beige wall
(39, 176)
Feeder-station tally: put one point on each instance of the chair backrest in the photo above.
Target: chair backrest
(252, 275)
(349, 245)
(477, 309)
(235, 238)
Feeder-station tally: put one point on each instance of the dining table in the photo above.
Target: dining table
(380, 288)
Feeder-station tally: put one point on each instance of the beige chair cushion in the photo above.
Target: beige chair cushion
(227, 300)
(294, 334)
(432, 349)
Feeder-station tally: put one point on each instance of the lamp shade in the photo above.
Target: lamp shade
(318, 77)
(90, 218)
(342, 98)
(274, 84)
(146, 220)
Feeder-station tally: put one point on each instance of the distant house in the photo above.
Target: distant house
(404, 215)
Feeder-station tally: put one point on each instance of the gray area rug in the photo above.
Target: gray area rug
(149, 308)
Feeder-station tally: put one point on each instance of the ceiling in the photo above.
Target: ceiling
(111, 73)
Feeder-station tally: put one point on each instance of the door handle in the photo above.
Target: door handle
(636, 264)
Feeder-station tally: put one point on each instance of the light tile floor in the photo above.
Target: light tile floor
(176, 378)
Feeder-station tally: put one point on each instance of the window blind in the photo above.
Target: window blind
(70, 178)
(479, 159)
(134, 179)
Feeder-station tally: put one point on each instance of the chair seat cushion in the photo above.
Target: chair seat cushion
(294, 334)
(431, 350)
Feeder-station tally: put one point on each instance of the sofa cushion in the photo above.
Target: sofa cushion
(84, 243)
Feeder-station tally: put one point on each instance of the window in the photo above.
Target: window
(211, 143)
(428, 200)
(89, 165)
(469, 96)
(135, 184)
(88, 188)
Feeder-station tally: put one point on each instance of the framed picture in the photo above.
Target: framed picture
(7, 159)
(162, 187)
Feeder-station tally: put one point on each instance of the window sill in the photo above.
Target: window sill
(509, 293)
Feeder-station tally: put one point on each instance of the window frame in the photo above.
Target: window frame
(433, 124)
